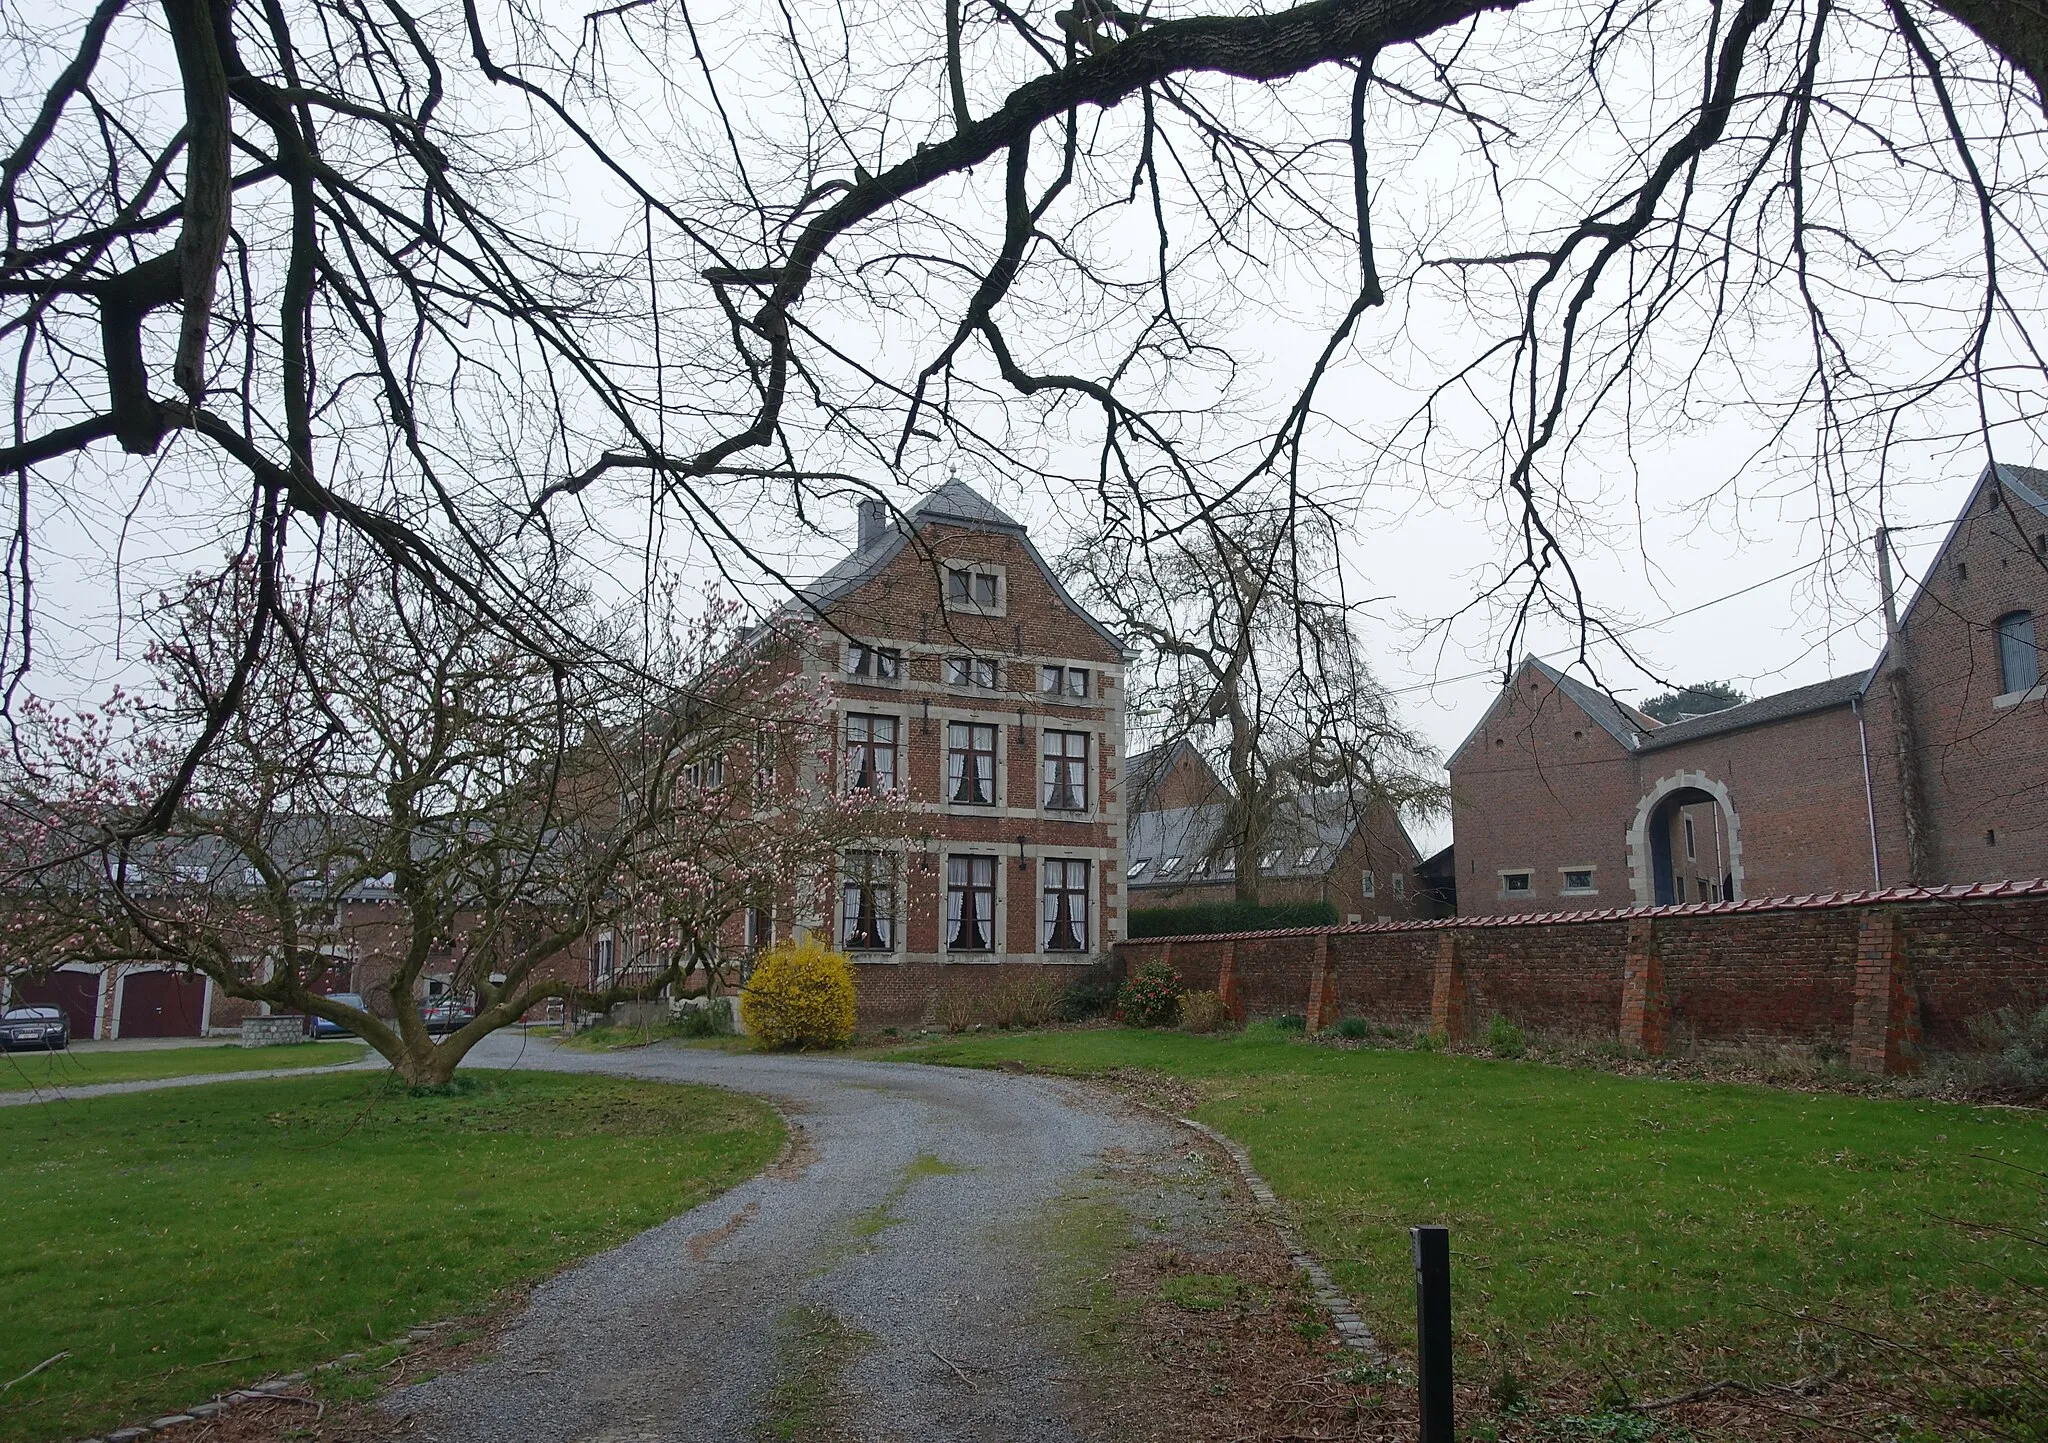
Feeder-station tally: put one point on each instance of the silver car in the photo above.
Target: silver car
(46, 1028)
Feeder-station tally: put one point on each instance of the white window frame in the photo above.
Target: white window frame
(1047, 916)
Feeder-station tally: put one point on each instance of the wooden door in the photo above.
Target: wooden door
(78, 993)
(162, 1004)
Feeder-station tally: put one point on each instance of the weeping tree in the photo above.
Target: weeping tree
(439, 799)
(414, 270)
(1245, 653)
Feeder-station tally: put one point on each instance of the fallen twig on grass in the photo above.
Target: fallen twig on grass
(53, 1358)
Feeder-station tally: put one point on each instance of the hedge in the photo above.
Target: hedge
(1202, 917)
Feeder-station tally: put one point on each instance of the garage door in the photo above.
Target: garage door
(78, 993)
(162, 1004)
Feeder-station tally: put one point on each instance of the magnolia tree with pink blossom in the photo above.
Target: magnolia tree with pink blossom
(403, 791)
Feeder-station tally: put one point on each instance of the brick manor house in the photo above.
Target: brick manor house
(1928, 768)
(966, 676)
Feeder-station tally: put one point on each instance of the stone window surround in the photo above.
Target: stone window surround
(1505, 894)
(950, 564)
(1564, 889)
(1105, 892)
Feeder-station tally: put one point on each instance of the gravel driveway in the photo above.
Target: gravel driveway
(886, 1282)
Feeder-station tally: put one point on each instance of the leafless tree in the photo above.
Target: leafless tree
(410, 268)
(1245, 654)
(441, 800)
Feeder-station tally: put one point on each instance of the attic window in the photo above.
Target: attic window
(1308, 857)
(2041, 542)
(1962, 571)
(1271, 860)
(1136, 867)
(976, 587)
(1168, 867)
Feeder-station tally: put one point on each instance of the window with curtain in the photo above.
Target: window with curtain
(870, 752)
(970, 904)
(971, 763)
(1066, 907)
(2019, 659)
(868, 902)
(1066, 771)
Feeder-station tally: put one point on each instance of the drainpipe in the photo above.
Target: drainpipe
(1869, 795)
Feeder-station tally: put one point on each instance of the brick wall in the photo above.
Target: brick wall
(1877, 975)
(1982, 755)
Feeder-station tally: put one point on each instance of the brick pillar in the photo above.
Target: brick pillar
(1226, 983)
(1644, 1010)
(1322, 987)
(1885, 1038)
(1450, 1008)
(1166, 952)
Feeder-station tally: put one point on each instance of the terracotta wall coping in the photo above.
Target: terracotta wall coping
(1811, 902)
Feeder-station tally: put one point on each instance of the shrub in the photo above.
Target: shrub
(1150, 999)
(1199, 918)
(2014, 1058)
(1024, 999)
(1091, 994)
(1291, 1022)
(1354, 1029)
(1204, 1012)
(956, 1008)
(1504, 1039)
(800, 996)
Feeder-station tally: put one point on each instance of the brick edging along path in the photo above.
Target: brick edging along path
(1343, 1312)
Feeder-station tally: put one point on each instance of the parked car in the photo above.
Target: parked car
(447, 1015)
(44, 1027)
(323, 1028)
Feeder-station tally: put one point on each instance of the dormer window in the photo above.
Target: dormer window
(874, 663)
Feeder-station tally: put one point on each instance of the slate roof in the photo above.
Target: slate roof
(953, 504)
(1322, 820)
(1838, 691)
(1618, 719)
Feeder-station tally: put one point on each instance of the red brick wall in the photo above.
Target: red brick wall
(903, 606)
(1774, 971)
(1984, 767)
(1540, 787)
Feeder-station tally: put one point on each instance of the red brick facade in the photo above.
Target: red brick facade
(973, 674)
(1563, 799)
(1873, 975)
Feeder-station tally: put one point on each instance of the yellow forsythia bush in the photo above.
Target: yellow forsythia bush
(800, 996)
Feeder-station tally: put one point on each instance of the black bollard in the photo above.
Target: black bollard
(1432, 1251)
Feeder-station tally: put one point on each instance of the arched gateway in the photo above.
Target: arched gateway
(1652, 871)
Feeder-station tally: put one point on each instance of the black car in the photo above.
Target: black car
(447, 1015)
(46, 1028)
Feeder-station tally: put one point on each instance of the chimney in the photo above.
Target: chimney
(874, 522)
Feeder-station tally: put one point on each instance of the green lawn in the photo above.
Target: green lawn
(1659, 1230)
(20, 1071)
(177, 1243)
